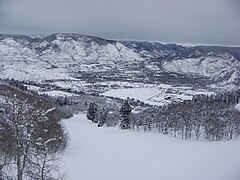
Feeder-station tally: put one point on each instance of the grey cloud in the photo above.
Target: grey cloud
(185, 21)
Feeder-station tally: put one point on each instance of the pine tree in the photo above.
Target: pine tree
(92, 112)
(125, 114)
(102, 117)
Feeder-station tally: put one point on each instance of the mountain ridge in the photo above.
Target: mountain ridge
(71, 55)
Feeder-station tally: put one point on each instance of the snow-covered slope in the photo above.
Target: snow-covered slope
(19, 61)
(220, 65)
(70, 56)
(208, 66)
(58, 56)
(112, 154)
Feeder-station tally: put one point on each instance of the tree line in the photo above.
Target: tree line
(211, 117)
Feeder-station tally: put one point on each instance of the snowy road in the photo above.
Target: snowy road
(111, 154)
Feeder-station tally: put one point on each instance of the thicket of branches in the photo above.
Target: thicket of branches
(31, 139)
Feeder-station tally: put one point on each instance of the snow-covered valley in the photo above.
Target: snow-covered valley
(74, 57)
(159, 95)
(110, 153)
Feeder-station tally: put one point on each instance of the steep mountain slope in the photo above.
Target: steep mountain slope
(71, 56)
(59, 56)
(218, 64)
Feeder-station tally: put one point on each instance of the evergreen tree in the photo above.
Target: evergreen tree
(102, 117)
(92, 112)
(125, 114)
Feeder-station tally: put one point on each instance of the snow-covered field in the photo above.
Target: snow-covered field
(58, 93)
(50, 92)
(156, 94)
(112, 154)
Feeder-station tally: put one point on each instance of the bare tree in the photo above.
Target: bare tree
(29, 143)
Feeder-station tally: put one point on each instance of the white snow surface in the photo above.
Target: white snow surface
(58, 93)
(113, 154)
(237, 107)
(20, 59)
(156, 94)
(208, 66)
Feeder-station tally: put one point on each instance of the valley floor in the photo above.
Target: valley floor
(112, 154)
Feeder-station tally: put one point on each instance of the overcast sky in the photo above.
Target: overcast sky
(173, 21)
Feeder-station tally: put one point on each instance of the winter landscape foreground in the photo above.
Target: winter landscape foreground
(112, 154)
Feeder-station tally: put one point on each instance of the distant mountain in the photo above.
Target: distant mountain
(73, 56)
(218, 64)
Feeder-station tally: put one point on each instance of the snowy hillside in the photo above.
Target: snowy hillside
(59, 56)
(206, 66)
(218, 64)
(71, 56)
(109, 153)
